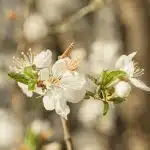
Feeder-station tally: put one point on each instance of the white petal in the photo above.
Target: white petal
(25, 90)
(139, 84)
(43, 59)
(59, 68)
(74, 96)
(124, 63)
(54, 99)
(44, 74)
(73, 80)
(121, 62)
(131, 56)
(49, 100)
(61, 107)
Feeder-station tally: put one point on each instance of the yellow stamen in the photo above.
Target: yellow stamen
(53, 80)
(67, 51)
(72, 64)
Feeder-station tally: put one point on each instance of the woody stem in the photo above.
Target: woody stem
(67, 136)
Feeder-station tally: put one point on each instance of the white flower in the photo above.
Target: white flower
(25, 90)
(64, 85)
(125, 63)
(43, 59)
(122, 89)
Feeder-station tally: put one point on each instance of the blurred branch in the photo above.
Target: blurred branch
(67, 135)
(91, 7)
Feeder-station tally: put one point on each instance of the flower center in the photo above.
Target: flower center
(54, 81)
(25, 61)
(137, 70)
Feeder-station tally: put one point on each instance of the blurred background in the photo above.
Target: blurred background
(102, 30)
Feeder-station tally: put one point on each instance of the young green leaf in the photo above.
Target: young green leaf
(117, 100)
(19, 77)
(106, 108)
(29, 71)
(31, 85)
(102, 78)
(111, 76)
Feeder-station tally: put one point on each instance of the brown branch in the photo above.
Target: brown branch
(67, 136)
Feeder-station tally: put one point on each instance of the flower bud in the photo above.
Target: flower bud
(122, 89)
(43, 59)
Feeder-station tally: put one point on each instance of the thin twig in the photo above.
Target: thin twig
(67, 136)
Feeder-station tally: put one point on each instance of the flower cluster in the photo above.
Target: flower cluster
(61, 82)
(115, 85)
(58, 83)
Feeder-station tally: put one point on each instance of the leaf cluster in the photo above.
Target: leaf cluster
(104, 87)
(29, 76)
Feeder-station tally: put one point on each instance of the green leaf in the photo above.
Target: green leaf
(102, 77)
(94, 80)
(19, 77)
(111, 76)
(106, 108)
(31, 85)
(117, 100)
(29, 71)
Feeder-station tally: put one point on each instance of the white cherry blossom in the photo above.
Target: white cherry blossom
(64, 85)
(125, 63)
(41, 60)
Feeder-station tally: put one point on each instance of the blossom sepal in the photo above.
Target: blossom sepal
(117, 100)
(106, 108)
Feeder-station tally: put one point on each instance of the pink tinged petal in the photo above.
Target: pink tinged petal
(132, 55)
(73, 80)
(59, 68)
(25, 90)
(139, 84)
(44, 74)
